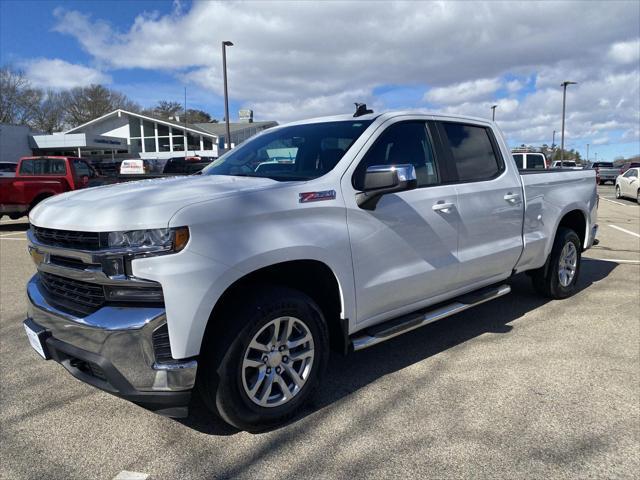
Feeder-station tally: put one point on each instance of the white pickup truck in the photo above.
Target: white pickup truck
(242, 279)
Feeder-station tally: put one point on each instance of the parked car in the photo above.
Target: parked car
(185, 165)
(627, 184)
(8, 169)
(241, 280)
(38, 178)
(605, 172)
(628, 165)
(530, 161)
(134, 167)
(568, 164)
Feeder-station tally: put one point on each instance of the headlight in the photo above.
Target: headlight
(171, 239)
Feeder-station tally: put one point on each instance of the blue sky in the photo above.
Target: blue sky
(295, 60)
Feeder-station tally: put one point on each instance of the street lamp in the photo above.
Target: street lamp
(564, 105)
(553, 145)
(225, 44)
(493, 112)
(587, 154)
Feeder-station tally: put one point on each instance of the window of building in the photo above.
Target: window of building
(150, 144)
(164, 144)
(207, 143)
(178, 144)
(136, 145)
(163, 130)
(149, 129)
(134, 127)
(401, 143)
(193, 141)
(176, 131)
(472, 152)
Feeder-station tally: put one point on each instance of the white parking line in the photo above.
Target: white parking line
(613, 201)
(624, 230)
(125, 475)
(18, 239)
(11, 234)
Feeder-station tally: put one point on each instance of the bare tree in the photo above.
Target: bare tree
(83, 104)
(165, 109)
(50, 116)
(19, 101)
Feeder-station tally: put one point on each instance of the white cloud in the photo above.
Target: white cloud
(297, 59)
(462, 92)
(601, 141)
(625, 52)
(59, 74)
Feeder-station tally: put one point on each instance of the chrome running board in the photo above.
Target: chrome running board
(406, 323)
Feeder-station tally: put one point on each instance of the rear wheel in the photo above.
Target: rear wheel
(558, 278)
(269, 360)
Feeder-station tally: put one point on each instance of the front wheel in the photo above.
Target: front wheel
(558, 278)
(618, 191)
(270, 365)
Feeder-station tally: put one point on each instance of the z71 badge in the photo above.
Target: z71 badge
(317, 196)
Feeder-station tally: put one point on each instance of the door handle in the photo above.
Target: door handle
(443, 207)
(512, 197)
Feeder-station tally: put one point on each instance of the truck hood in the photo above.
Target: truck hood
(137, 205)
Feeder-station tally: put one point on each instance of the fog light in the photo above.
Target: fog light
(133, 294)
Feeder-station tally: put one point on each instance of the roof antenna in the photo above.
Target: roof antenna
(361, 109)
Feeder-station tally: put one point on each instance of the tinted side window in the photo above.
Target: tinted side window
(57, 166)
(518, 158)
(81, 168)
(26, 167)
(535, 161)
(401, 143)
(630, 173)
(472, 152)
(41, 166)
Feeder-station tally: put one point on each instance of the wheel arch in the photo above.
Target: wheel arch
(576, 220)
(309, 276)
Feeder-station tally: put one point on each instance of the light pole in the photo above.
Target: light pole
(226, 44)
(493, 112)
(553, 145)
(564, 105)
(587, 154)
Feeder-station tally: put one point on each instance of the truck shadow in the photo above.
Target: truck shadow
(347, 374)
(14, 227)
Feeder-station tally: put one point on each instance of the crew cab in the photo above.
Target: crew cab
(37, 178)
(241, 280)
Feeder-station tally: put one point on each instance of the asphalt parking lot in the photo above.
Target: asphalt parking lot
(520, 387)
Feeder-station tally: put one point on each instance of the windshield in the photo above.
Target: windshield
(298, 152)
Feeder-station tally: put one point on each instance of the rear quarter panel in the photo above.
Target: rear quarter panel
(549, 196)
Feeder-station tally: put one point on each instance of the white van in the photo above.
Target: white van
(530, 161)
(134, 167)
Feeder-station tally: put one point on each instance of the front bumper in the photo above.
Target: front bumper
(112, 349)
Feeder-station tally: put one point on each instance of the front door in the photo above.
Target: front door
(404, 251)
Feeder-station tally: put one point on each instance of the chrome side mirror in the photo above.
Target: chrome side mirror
(380, 180)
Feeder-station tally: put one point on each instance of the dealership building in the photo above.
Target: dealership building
(124, 134)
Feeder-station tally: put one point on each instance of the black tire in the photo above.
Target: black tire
(600, 182)
(220, 373)
(638, 197)
(546, 280)
(618, 191)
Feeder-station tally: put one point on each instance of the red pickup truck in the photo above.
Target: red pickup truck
(37, 178)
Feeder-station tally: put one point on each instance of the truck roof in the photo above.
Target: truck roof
(386, 115)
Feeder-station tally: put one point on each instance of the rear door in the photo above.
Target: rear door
(490, 203)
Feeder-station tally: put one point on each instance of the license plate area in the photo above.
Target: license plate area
(37, 336)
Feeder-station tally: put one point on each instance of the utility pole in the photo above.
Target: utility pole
(553, 146)
(186, 145)
(564, 105)
(493, 112)
(226, 44)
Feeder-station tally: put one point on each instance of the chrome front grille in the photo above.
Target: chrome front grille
(74, 295)
(68, 238)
